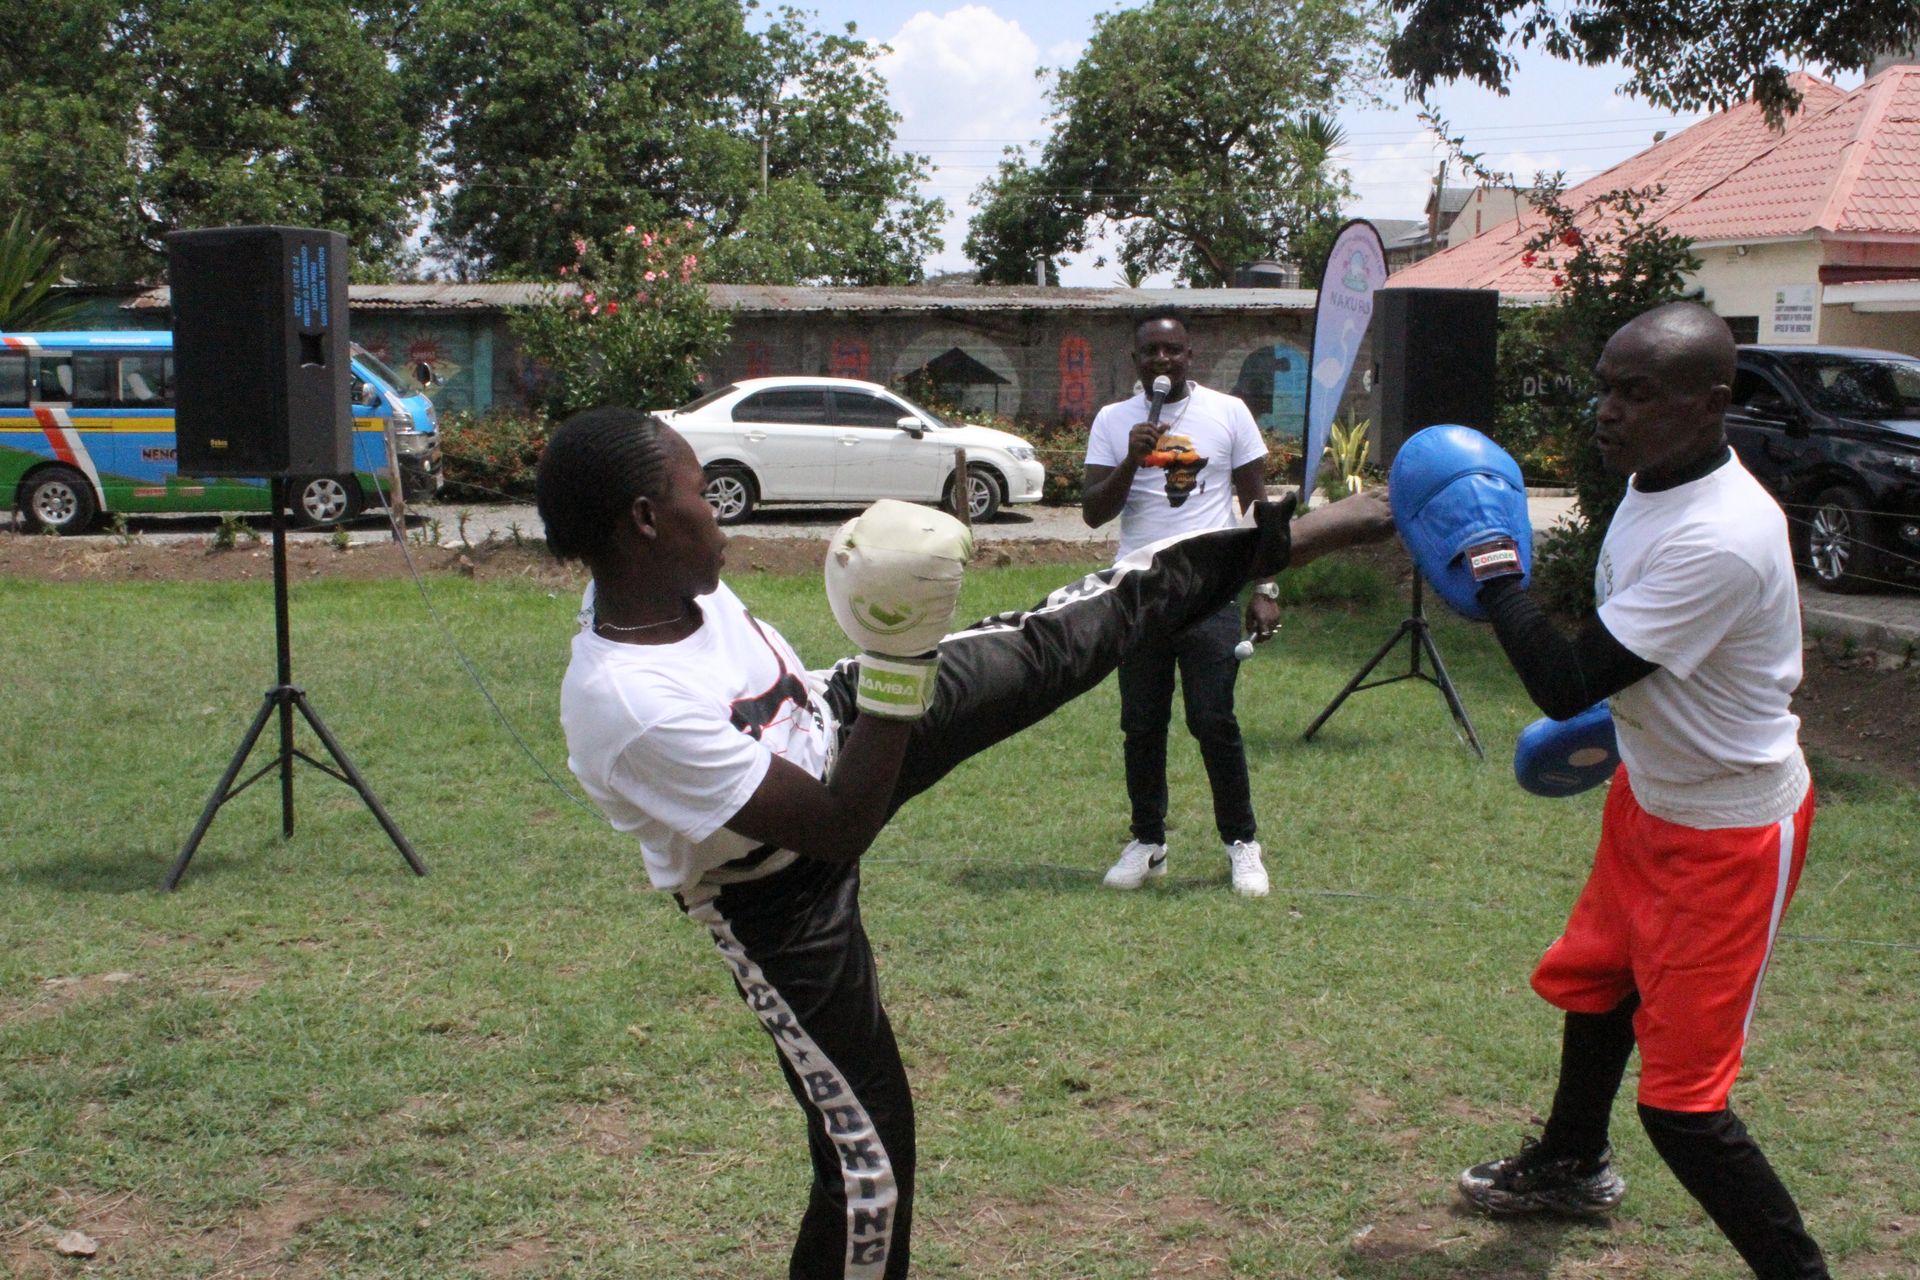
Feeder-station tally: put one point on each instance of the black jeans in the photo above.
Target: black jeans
(1203, 654)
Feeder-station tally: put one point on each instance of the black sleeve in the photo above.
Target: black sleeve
(1564, 676)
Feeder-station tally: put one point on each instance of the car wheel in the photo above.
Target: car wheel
(324, 500)
(58, 500)
(1839, 550)
(983, 494)
(730, 493)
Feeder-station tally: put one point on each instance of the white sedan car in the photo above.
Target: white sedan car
(838, 440)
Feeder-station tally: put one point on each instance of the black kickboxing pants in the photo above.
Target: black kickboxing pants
(794, 940)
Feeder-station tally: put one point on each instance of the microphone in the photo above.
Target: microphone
(1162, 388)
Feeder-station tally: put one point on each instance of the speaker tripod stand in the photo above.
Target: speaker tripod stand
(1420, 639)
(285, 698)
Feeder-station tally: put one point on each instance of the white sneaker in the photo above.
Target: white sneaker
(1249, 873)
(1138, 864)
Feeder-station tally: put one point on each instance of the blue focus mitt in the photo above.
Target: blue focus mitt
(1461, 509)
(1565, 757)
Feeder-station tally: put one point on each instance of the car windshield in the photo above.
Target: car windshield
(1858, 386)
(707, 399)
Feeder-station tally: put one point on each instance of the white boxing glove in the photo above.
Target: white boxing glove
(893, 580)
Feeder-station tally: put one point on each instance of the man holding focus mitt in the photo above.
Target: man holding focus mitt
(1697, 644)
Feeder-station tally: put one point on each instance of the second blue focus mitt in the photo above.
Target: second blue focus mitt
(1565, 757)
(1461, 509)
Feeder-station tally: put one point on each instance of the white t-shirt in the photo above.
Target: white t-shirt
(1210, 433)
(1698, 579)
(671, 739)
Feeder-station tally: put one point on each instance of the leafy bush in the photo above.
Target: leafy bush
(1609, 265)
(634, 329)
(491, 456)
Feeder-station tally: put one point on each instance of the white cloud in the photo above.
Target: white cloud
(964, 85)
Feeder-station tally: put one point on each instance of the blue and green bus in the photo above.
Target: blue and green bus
(86, 429)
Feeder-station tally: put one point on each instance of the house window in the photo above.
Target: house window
(1745, 328)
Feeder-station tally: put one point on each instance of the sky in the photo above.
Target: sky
(962, 78)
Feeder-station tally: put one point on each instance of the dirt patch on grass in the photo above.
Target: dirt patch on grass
(606, 1129)
(1181, 1235)
(57, 994)
(124, 1230)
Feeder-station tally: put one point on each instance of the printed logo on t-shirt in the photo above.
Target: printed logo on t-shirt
(755, 714)
(1183, 465)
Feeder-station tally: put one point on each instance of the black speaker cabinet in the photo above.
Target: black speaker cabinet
(260, 352)
(1435, 353)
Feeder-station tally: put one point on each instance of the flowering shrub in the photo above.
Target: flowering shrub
(627, 322)
(489, 457)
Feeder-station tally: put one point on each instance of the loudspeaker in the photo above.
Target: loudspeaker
(260, 352)
(1434, 349)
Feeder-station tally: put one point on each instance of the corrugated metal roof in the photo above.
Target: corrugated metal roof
(755, 299)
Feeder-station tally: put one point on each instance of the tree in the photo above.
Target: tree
(70, 138)
(628, 323)
(1193, 127)
(571, 120)
(295, 112)
(1609, 265)
(1709, 54)
(120, 122)
(28, 272)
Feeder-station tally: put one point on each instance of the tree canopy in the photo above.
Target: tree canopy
(1707, 54)
(573, 120)
(1194, 128)
(518, 125)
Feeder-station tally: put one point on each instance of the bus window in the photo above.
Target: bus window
(53, 379)
(146, 382)
(13, 382)
(93, 382)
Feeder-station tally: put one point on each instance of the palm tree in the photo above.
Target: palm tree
(29, 268)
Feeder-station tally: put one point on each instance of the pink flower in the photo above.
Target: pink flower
(627, 230)
(563, 271)
(591, 298)
(651, 275)
(641, 296)
(693, 260)
(647, 239)
(689, 224)
(579, 246)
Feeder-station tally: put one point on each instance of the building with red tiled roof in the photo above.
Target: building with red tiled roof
(1791, 227)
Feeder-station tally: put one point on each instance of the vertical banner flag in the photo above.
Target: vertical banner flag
(1355, 267)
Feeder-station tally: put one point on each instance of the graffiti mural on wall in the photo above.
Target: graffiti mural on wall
(435, 360)
(850, 358)
(1273, 382)
(1076, 380)
(961, 370)
(759, 359)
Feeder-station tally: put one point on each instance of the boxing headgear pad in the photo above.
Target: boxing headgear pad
(1461, 509)
(1565, 757)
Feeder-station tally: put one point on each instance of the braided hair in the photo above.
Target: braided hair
(592, 470)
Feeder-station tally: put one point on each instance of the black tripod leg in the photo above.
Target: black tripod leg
(1440, 678)
(1359, 679)
(219, 796)
(358, 783)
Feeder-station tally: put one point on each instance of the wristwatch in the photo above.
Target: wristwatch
(1271, 590)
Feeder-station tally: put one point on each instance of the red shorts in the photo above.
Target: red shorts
(1686, 918)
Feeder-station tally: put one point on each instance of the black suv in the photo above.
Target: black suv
(1834, 435)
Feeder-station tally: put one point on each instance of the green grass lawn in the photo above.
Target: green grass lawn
(307, 1062)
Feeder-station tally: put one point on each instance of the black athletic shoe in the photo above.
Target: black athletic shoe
(1534, 1181)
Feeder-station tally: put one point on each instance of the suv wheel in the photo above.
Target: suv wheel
(1839, 550)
